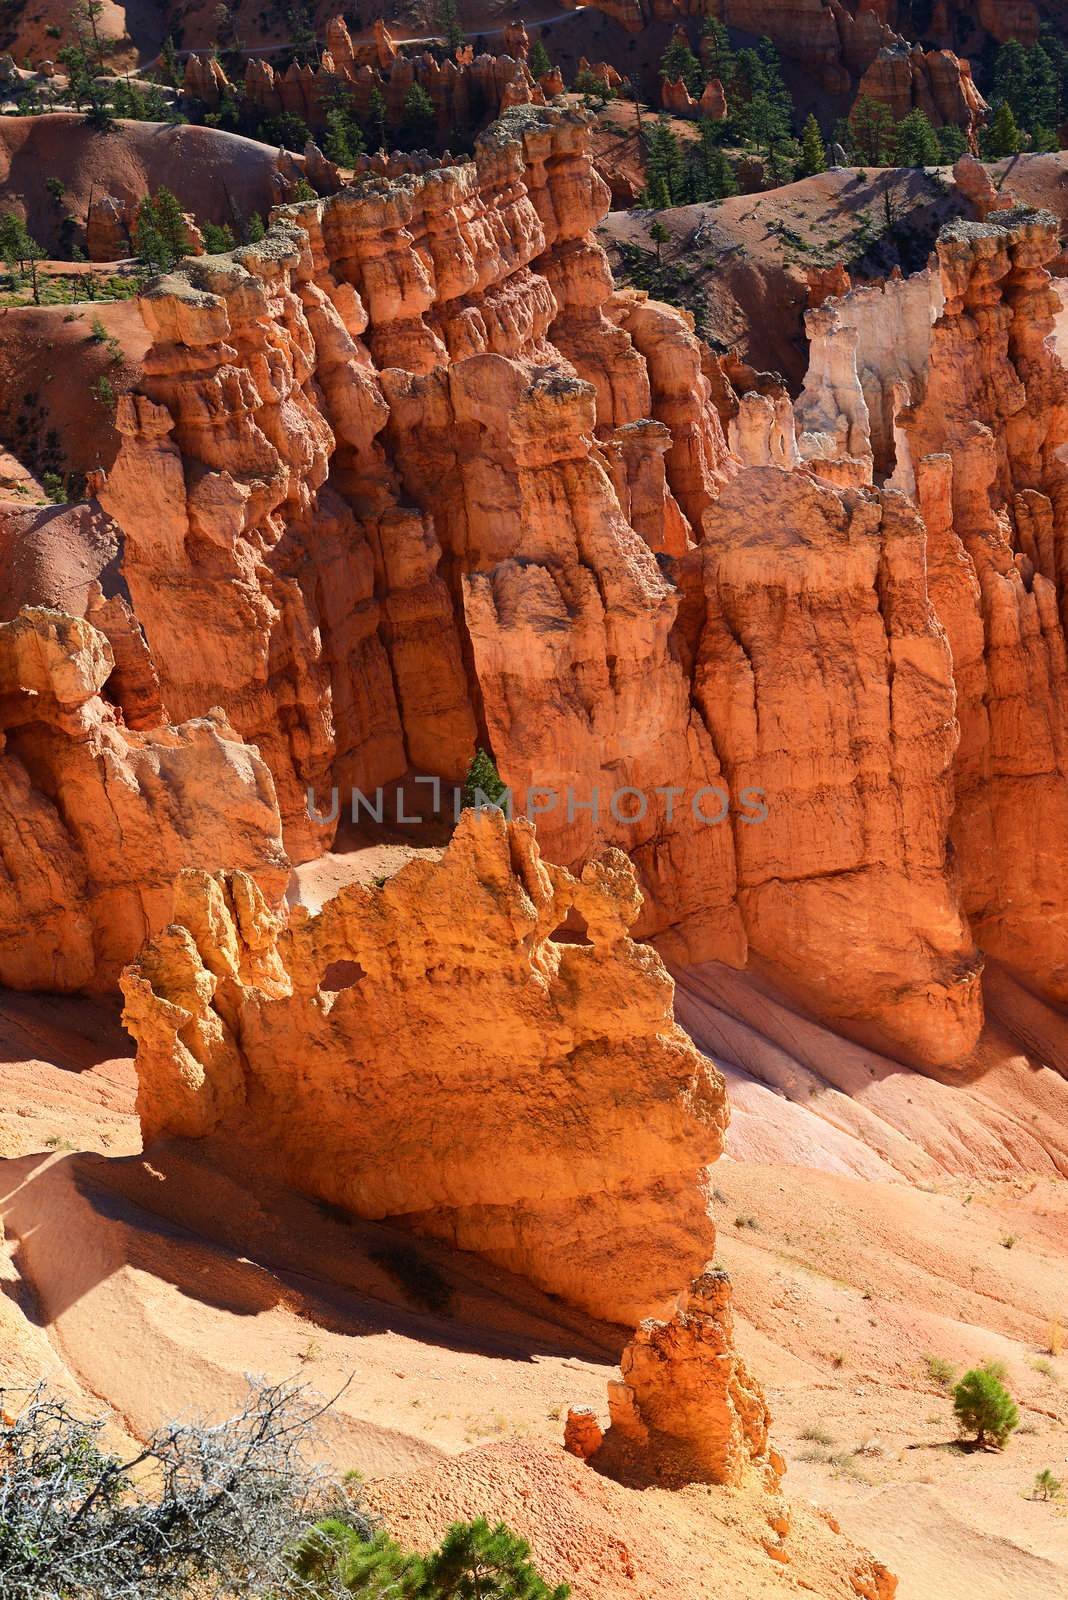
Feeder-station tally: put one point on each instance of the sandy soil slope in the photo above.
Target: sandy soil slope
(221, 176)
(865, 1214)
(51, 362)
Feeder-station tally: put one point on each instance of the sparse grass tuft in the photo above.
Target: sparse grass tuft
(940, 1371)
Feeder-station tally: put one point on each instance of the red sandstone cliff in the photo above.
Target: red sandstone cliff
(412, 474)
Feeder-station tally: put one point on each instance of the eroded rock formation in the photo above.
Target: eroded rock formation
(465, 92)
(413, 475)
(686, 1409)
(968, 402)
(96, 818)
(936, 82)
(529, 1100)
(996, 403)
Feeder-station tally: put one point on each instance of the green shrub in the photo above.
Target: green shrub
(483, 782)
(984, 1406)
(473, 1562)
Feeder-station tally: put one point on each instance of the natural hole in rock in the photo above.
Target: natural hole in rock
(572, 930)
(341, 975)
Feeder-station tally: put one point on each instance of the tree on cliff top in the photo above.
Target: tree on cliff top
(539, 62)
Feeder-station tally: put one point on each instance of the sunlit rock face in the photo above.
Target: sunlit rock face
(410, 476)
(529, 1100)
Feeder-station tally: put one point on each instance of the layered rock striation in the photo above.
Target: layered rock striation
(410, 476)
(960, 373)
(427, 1052)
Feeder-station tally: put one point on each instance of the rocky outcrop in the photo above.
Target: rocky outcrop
(205, 79)
(465, 92)
(369, 1090)
(979, 189)
(107, 232)
(968, 402)
(97, 817)
(686, 1409)
(936, 82)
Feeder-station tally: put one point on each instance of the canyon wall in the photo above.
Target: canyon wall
(990, 432)
(97, 818)
(968, 403)
(427, 1052)
(409, 475)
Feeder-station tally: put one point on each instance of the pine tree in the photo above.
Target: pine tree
(485, 1563)
(665, 168)
(660, 237)
(168, 62)
(916, 142)
(813, 151)
(984, 1406)
(19, 248)
(376, 118)
(90, 11)
(449, 24)
(679, 62)
(1002, 138)
(538, 61)
(483, 781)
(1031, 82)
(171, 222)
(659, 195)
(773, 84)
(716, 52)
(153, 251)
(721, 180)
(343, 142)
(217, 240)
(254, 229)
(302, 33)
(764, 123)
(951, 142)
(871, 129)
(711, 174)
(418, 113)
